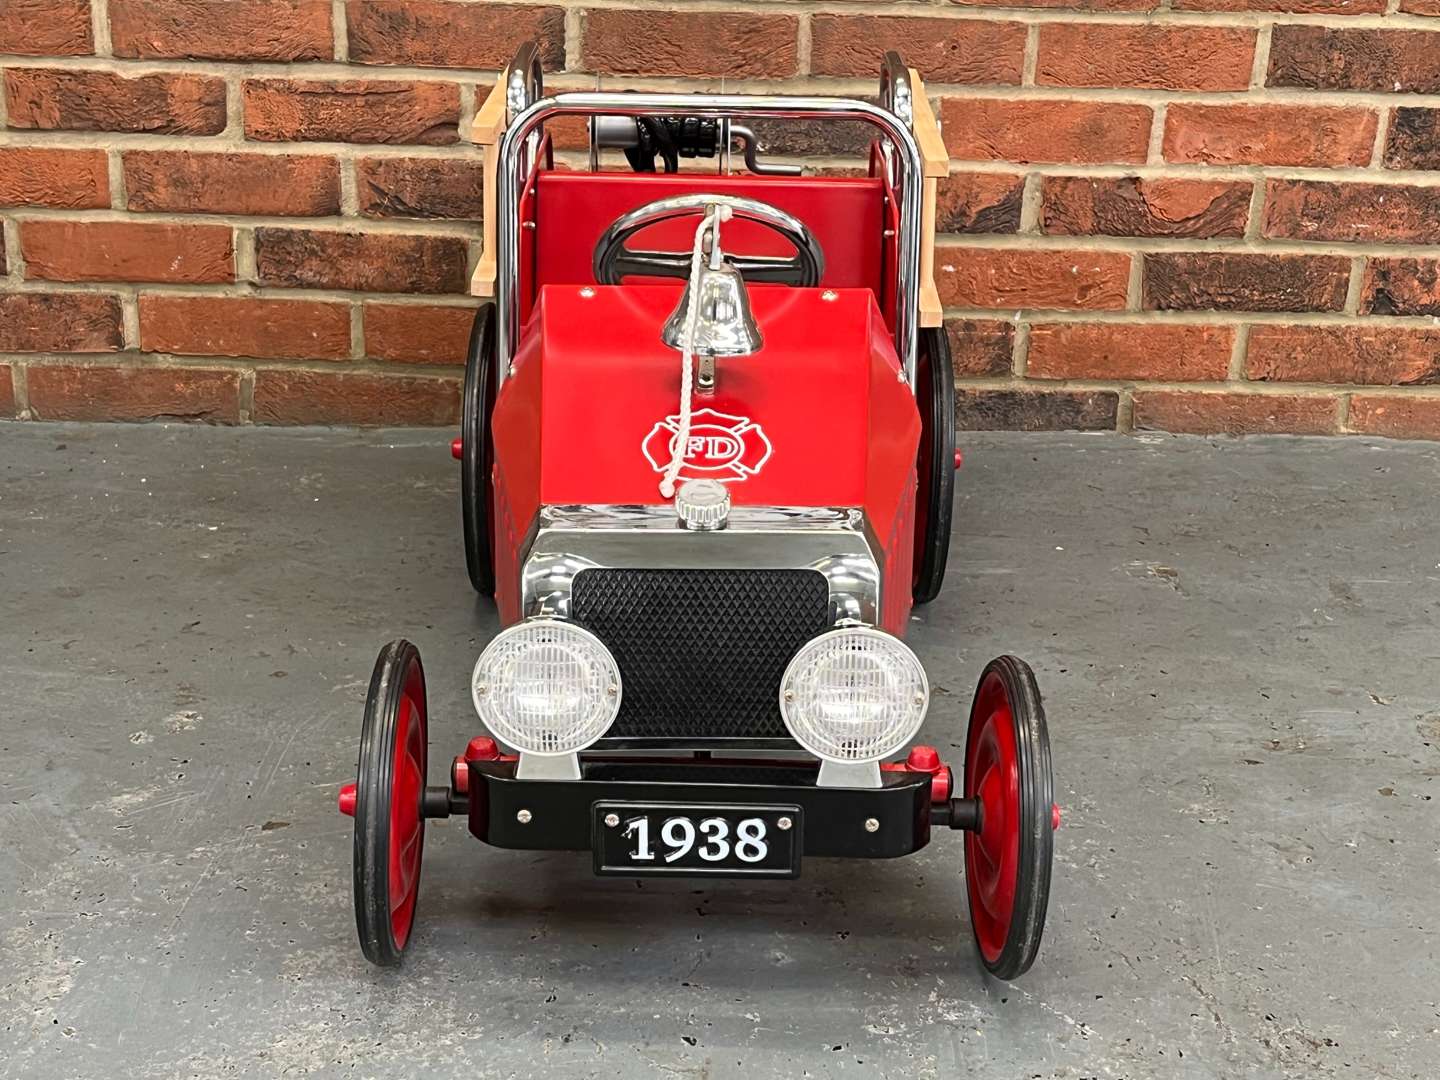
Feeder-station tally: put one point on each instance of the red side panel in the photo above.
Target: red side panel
(516, 431)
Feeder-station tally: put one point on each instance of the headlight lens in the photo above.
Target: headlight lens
(854, 694)
(546, 686)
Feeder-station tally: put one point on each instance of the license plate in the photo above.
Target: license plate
(696, 840)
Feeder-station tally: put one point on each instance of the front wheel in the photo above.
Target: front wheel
(389, 824)
(935, 490)
(1007, 860)
(477, 452)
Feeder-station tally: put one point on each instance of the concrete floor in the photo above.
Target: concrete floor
(1240, 647)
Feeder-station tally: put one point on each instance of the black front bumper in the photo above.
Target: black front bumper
(837, 822)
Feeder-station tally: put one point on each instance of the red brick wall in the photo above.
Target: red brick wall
(1188, 215)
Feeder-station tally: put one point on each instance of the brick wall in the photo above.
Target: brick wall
(1188, 215)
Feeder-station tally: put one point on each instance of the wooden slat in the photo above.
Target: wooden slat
(486, 131)
(927, 131)
(936, 164)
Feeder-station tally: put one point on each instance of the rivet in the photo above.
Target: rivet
(523, 817)
(871, 824)
(612, 690)
(482, 688)
(919, 699)
(612, 820)
(789, 695)
(587, 292)
(829, 294)
(784, 824)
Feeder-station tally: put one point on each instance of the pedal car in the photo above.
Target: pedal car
(707, 460)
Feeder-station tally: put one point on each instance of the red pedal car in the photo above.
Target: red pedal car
(707, 464)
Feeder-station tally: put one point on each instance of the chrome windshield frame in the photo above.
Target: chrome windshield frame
(511, 177)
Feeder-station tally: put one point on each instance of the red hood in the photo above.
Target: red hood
(802, 422)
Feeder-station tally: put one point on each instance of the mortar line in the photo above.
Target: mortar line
(1031, 205)
(1383, 120)
(1255, 213)
(1155, 146)
(1343, 412)
(574, 38)
(20, 385)
(1239, 349)
(469, 229)
(1260, 68)
(804, 45)
(1020, 350)
(130, 318)
(993, 14)
(245, 367)
(1355, 285)
(100, 27)
(1208, 317)
(1135, 283)
(455, 228)
(115, 171)
(246, 274)
(234, 111)
(349, 186)
(14, 257)
(247, 396)
(357, 331)
(1249, 389)
(1125, 410)
(1032, 55)
(824, 84)
(339, 31)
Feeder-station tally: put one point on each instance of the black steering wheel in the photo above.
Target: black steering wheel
(614, 261)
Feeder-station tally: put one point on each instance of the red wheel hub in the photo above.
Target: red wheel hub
(992, 855)
(407, 788)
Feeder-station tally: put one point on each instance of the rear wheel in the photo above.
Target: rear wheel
(389, 825)
(935, 397)
(1007, 861)
(477, 452)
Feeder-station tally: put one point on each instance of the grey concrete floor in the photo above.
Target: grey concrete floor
(1238, 642)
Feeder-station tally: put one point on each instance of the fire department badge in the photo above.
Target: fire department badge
(721, 447)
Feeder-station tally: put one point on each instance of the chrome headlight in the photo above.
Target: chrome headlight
(546, 686)
(854, 695)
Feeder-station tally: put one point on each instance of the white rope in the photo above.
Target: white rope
(710, 221)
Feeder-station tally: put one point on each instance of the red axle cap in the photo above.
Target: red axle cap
(347, 799)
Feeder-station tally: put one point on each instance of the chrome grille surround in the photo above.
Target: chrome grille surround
(836, 542)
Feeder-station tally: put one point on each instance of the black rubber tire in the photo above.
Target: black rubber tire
(934, 497)
(373, 804)
(477, 452)
(1036, 802)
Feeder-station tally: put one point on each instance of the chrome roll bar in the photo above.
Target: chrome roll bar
(720, 107)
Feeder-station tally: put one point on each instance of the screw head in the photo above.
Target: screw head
(523, 817)
(612, 820)
(872, 824)
(829, 294)
(587, 292)
(784, 824)
(789, 695)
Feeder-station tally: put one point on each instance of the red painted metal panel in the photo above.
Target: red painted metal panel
(818, 417)
(844, 213)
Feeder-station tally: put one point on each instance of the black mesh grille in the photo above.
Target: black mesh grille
(701, 652)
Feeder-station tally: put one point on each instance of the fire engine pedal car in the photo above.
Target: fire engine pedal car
(707, 460)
